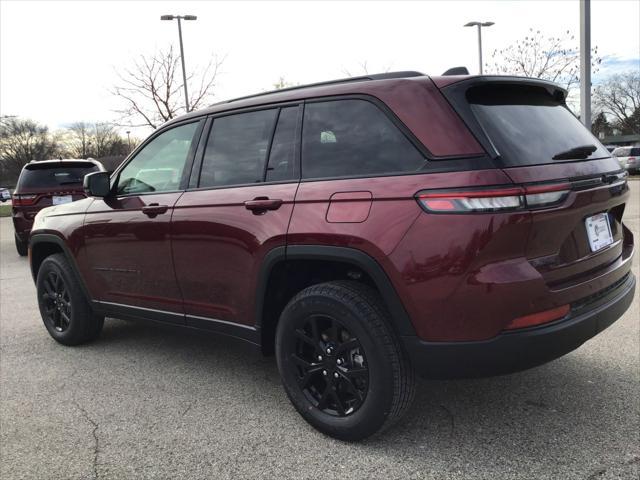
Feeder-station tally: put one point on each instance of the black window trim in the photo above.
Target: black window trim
(204, 138)
(433, 164)
(267, 156)
(115, 176)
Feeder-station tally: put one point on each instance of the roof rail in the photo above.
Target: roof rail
(377, 76)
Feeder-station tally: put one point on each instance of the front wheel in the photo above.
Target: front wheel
(65, 311)
(341, 364)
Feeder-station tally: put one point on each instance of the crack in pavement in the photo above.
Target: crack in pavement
(94, 432)
(599, 472)
(186, 409)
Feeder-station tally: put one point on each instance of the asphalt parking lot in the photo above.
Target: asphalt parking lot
(149, 402)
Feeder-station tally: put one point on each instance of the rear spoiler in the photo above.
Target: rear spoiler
(456, 71)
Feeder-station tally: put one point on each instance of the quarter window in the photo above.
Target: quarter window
(353, 138)
(158, 167)
(237, 149)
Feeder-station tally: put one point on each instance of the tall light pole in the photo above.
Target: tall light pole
(129, 140)
(184, 71)
(585, 63)
(479, 25)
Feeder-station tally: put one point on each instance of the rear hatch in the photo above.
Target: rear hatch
(50, 183)
(574, 189)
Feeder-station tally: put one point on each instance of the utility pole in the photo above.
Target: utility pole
(585, 63)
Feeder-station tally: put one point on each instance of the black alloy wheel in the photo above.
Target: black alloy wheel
(332, 367)
(64, 307)
(57, 302)
(342, 365)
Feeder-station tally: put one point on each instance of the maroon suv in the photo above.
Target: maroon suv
(362, 230)
(42, 184)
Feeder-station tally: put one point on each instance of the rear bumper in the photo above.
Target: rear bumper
(22, 226)
(518, 350)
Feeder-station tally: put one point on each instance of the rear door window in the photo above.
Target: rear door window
(283, 161)
(237, 147)
(353, 137)
(39, 177)
(529, 127)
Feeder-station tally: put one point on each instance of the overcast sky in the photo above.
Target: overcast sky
(58, 60)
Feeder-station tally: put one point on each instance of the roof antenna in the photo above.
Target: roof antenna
(457, 71)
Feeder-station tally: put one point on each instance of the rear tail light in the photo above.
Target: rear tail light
(493, 199)
(539, 318)
(537, 196)
(23, 200)
(472, 200)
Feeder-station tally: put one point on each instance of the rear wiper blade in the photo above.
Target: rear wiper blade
(583, 151)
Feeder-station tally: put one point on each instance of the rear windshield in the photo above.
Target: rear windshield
(635, 152)
(529, 127)
(45, 177)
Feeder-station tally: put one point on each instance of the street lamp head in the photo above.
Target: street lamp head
(481, 24)
(190, 17)
(167, 17)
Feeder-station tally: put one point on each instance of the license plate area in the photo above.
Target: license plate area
(598, 231)
(60, 199)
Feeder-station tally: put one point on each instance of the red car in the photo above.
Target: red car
(42, 184)
(362, 230)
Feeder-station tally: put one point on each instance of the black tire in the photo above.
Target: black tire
(21, 247)
(336, 398)
(65, 311)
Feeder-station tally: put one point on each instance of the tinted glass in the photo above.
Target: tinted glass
(237, 149)
(282, 159)
(158, 167)
(529, 127)
(54, 176)
(634, 152)
(351, 138)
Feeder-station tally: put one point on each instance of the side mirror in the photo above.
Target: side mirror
(97, 184)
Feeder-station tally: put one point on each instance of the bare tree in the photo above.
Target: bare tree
(95, 140)
(152, 90)
(282, 83)
(539, 56)
(108, 141)
(81, 140)
(21, 141)
(361, 69)
(619, 98)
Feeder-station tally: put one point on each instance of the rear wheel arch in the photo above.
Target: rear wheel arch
(287, 271)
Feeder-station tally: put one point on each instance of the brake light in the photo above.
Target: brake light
(472, 200)
(23, 200)
(539, 318)
(493, 199)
